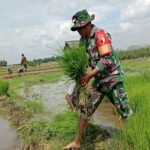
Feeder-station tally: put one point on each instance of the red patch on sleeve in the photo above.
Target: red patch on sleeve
(103, 43)
(101, 38)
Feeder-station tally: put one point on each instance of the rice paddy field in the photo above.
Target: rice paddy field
(135, 134)
(38, 129)
(42, 68)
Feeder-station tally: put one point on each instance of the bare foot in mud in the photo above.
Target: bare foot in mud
(72, 146)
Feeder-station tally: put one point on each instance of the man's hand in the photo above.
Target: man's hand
(84, 81)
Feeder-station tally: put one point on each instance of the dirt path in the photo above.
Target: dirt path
(31, 72)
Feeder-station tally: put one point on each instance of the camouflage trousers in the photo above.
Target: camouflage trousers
(115, 94)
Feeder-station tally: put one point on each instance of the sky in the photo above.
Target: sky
(38, 28)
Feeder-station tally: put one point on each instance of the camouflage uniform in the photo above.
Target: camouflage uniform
(109, 80)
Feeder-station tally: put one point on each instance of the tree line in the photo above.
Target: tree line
(36, 62)
(127, 54)
(3, 63)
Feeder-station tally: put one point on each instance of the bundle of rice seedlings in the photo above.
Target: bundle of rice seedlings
(73, 61)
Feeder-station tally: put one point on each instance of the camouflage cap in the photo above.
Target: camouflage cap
(80, 19)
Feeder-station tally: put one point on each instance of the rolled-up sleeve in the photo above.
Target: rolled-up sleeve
(102, 65)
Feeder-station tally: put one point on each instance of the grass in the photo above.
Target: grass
(136, 66)
(57, 133)
(63, 126)
(134, 54)
(136, 133)
(34, 106)
(4, 86)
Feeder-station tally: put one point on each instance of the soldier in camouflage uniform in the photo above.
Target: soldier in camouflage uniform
(106, 70)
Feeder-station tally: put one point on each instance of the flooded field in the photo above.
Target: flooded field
(7, 136)
(106, 117)
(27, 109)
(53, 97)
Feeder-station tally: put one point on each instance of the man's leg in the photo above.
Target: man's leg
(94, 99)
(119, 98)
(82, 126)
(77, 141)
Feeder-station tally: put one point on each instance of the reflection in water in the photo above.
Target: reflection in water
(7, 135)
(52, 95)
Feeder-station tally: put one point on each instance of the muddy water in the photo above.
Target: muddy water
(53, 97)
(7, 136)
(106, 117)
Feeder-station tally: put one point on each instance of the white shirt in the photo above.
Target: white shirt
(71, 88)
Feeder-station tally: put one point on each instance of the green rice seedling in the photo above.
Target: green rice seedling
(34, 106)
(73, 61)
(136, 134)
(56, 132)
(4, 86)
(63, 126)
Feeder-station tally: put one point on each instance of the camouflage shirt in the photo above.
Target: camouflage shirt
(110, 71)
